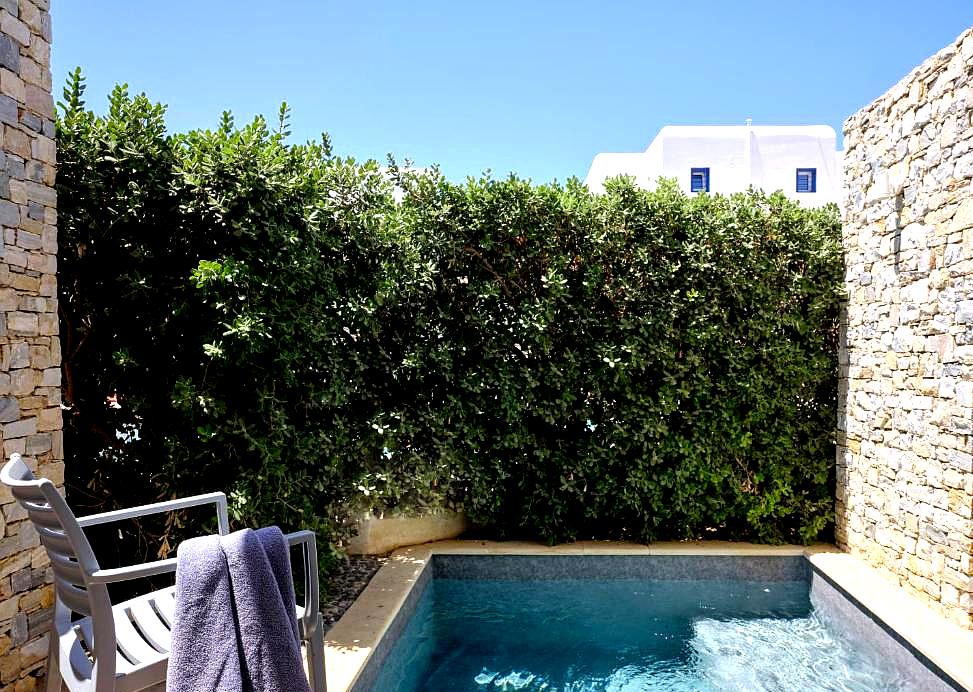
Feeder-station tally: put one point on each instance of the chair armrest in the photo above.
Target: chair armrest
(147, 569)
(312, 618)
(218, 499)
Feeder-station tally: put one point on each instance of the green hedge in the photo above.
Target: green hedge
(563, 365)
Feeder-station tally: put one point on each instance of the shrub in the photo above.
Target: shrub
(269, 320)
(638, 364)
(223, 289)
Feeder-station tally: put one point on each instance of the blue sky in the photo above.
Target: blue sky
(537, 88)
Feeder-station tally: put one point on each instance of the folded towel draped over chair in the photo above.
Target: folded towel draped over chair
(234, 627)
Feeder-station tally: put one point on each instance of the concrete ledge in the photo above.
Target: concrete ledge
(378, 535)
(945, 644)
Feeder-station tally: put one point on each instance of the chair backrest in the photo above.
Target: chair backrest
(72, 559)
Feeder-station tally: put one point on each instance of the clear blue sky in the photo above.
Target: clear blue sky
(536, 87)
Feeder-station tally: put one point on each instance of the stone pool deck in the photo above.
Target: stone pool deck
(349, 644)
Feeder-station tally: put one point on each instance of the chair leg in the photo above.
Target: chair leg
(315, 659)
(53, 663)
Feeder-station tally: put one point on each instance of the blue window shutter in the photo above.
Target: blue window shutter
(699, 180)
(807, 180)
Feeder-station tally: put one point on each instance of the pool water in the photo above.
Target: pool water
(624, 636)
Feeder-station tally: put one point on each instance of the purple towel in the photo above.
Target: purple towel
(235, 625)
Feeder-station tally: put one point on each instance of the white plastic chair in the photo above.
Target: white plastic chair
(98, 646)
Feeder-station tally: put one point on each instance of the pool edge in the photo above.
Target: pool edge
(358, 635)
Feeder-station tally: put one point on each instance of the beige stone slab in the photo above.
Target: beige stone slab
(351, 641)
(946, 644)
(378, 535)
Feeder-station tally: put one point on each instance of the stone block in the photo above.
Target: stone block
(51, 377)
(8, 299)
(15, 446)
(9, 412)
(15, 257)
(27, 538)
(20, 428)
(32, 122)
(23, 381)
(8, 110)
(49, 419)
(31, 72)
(29, 403)
(53, 471)
(39, 51)
(19, 629)
(16, 141)
(13, 27)
(25, 323)
(40, 357)
(14, 563)
(49, 234)
(48, 284)
(39, 444)
(43, 194)
(37, 599)
(32, 16)
(47, 323)
(43, 263)
(9, 54)
(43, 148)
(18, 355)
(32, 304)
(964, 312)
(34, 651)
(40, 101)
(29, 223)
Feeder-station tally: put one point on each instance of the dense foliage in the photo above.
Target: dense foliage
(266, 318)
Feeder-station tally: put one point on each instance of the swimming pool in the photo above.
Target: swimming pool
(624, 623)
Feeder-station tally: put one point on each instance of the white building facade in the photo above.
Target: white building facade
(802, 161)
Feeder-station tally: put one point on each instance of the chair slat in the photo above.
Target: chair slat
(130, 641)
(28, 493)
(165, 603)
(67, 569)
(74, 598)
(43, 516)
(147, 621)
(55, 540)
(122, 665)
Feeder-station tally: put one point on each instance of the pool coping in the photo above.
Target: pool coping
(351, 641)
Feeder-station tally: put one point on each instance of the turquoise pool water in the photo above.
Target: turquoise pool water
(623, 636)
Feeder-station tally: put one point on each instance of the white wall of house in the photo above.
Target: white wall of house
(737, 156)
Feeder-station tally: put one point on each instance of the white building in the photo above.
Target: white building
(803, 161)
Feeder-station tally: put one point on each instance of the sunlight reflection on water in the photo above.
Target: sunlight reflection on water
(624, 636)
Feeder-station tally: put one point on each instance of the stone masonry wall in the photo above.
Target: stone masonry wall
(30, 354)
(905, 460)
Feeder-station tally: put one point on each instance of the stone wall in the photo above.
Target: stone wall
(905, 461)
(30, 355)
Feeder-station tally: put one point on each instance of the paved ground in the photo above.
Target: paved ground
(343, 586)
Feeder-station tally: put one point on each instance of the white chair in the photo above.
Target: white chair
(98, 646)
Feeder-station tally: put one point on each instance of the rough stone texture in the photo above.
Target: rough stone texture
(905, 460)
(30, 354)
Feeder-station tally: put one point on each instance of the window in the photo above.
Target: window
(699, 180)
(807, 179)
